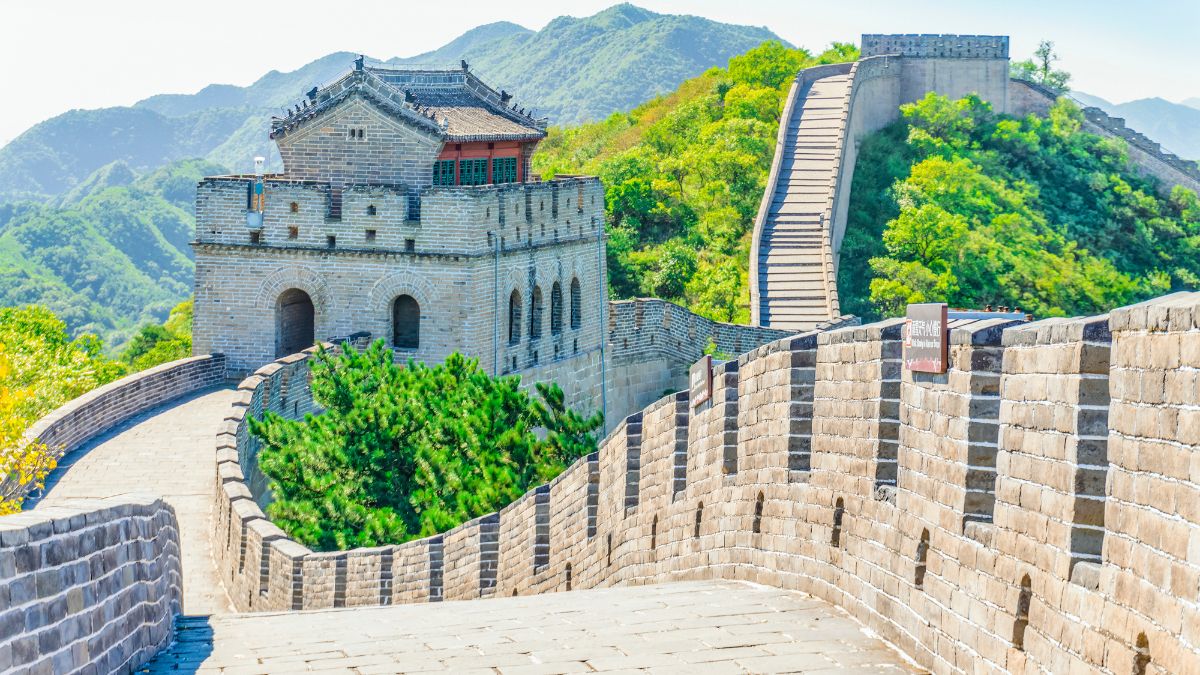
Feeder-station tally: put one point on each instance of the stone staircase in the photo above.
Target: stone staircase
(793, 260)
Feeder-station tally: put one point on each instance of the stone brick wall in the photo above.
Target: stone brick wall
(949, 428)
(1151, 577)
(389, 152)
(1021, 424)
(105, 407)
(470, 250)
(88, 585)
(652, 343)
(856, 410)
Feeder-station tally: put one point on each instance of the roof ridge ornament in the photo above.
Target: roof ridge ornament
(358, 63)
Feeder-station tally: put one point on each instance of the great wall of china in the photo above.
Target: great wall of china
(830, 109)
(1034, 509)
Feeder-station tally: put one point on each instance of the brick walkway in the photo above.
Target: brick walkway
(167, 452)
(692, 628)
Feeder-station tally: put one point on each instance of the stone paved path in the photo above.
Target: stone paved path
(167, 452)
(692, 628)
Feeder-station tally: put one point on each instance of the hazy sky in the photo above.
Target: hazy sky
(58, 54)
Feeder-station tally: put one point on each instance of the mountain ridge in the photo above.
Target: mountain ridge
(1174, 126)
(573, 69)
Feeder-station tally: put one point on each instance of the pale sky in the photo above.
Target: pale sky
(56, 55)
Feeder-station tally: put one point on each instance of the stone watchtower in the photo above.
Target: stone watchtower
(406, 209)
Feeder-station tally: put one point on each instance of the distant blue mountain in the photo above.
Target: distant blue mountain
(1176, 126)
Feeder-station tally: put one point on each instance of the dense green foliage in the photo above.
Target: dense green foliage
(43, 359)
(685, 174)
(159, 343)
(108, 256)
(958, 204)
(407, 451)
(572, 70)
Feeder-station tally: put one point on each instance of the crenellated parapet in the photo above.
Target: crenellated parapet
(1028, 509)
(652, 343)
(934, 46)
(1145, 155)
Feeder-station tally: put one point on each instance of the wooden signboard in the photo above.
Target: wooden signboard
(700, 379)
(926, 338)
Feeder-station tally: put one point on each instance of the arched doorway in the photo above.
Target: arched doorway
(406, 323)
(294, 317)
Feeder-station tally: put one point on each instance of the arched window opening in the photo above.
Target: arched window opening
(1022, 622)
(535, 314)
(654, 534)
(371, 210)
(758, 511)
(295, 208)
(514, 318)
(576, 305)
(406, 323)
(922, 558)
(556, 308)
(839, 512)
(294, 319)
(699, 517)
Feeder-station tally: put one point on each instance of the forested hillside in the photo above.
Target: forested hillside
(684, 175)
(956, 203)
(110, 255)
(582, 69)
(572, 70)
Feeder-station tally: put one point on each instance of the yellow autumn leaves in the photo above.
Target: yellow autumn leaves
(23, 464)
(41, 368)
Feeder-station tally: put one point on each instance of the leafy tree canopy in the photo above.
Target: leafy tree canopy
(160, 343)
(956, 203)
(408, 451)
(1040, 68)
(41, 368)
(684, 175)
